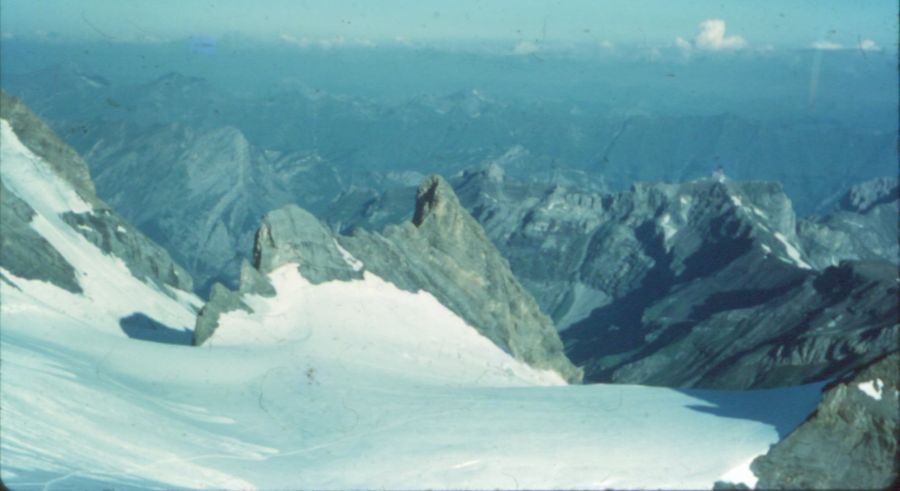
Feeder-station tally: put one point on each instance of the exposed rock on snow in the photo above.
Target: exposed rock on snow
(850, 442)
(442, 251)
(654, 284)
(41, 171)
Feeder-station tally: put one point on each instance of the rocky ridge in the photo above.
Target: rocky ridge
(27, 254)
(864, 226)
(849, 442)
(442, 250)
(647, 285)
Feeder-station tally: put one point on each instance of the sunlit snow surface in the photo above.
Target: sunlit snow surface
(338, 385)
(355, 402)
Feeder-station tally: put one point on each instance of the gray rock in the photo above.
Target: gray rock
(26, 254)
(221, 301)
(254, 283)
(849, 442)
(864, 227)
(445, 251)
(114, 236)
(293, 235)
(442, 251)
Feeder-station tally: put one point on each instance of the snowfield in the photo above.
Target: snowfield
(331, 386)
(343, 396)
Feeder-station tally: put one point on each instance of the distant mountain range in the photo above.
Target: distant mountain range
(300, 145)
(655, 284)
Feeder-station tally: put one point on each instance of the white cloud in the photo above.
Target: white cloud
(826, 45)
(607, 44)
(868, 45)
(711, 37)
(526, 48)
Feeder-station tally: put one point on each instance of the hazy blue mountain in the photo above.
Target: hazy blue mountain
(815, 155)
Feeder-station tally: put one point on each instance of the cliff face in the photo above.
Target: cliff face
(443, 251)
(849, 442)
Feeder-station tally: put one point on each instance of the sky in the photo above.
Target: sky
(826, 24)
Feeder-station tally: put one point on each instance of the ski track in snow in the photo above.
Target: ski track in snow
(332, 386)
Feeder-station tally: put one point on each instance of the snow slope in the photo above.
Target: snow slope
(335, 391)
(331, 386)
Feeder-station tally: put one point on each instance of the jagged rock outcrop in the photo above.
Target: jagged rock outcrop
(849, 442)
(293, 235)
(446, 252)
(653, 285)
(864, 226)
(222, 300)
(26, 253)
(442, 251)
(116, 237)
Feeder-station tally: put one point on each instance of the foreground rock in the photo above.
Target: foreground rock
(850, 442)
(442, 250)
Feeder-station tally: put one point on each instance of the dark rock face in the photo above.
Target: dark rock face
(442, 251)
(24, 252)
(850, 442)
(789, 334)
(116, 237)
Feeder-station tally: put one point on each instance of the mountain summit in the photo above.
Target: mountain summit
(443, 251)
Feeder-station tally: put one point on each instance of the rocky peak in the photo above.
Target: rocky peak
(435, 200)
(443, 251)
(293, 235)
(849, 442)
